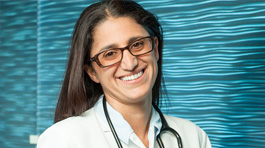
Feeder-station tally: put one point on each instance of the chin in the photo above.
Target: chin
(139, 97)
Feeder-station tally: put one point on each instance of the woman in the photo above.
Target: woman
(112, 79)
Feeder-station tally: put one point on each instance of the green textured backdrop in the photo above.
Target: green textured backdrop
(214, 65)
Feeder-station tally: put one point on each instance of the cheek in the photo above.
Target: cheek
(156, 70)
(155, 60)
(105, 74)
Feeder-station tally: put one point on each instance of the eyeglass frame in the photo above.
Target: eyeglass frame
(95, 57)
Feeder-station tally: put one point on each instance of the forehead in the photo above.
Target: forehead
(116, 32)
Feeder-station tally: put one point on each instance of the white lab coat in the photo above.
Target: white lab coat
(88, 131)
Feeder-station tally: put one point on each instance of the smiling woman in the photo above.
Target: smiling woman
(121, 32)
(110, 93)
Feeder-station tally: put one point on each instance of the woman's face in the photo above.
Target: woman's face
(117, 33)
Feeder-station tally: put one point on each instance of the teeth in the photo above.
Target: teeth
(132, 77)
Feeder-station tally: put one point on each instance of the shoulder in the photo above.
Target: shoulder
(180, 122)
(183, 125)
(74, 123)
(65, 132)
(189, 132)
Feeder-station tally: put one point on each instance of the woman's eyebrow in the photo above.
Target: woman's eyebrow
(132, 39)
(107, 47)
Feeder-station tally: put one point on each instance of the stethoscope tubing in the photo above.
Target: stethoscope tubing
(165, 127)
(110, 123)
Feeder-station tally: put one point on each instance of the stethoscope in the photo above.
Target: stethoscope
(165, 127)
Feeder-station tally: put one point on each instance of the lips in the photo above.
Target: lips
(132, 77)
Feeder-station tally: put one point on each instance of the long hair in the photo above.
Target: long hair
(79, 92)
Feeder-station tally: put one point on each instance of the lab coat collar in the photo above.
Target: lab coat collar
(122, 127)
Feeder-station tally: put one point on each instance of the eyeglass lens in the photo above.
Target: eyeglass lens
(138, 47)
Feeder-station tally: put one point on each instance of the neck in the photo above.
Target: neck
(140, 112)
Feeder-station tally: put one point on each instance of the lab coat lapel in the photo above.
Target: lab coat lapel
(97, 135)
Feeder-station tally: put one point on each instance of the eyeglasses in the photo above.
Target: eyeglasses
(138, 47)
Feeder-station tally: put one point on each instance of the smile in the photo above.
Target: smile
(132, 77)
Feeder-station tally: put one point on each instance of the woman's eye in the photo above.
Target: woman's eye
(137, 45)
(109, 54)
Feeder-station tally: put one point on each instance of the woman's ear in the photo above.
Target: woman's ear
(156, 49)
(92, 74)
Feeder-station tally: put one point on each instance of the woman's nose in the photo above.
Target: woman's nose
(129, 62)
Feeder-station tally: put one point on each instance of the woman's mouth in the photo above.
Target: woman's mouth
(132, 77)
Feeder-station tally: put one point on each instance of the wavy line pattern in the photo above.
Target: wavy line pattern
(214, 67)
(213, 64)
(18, 43)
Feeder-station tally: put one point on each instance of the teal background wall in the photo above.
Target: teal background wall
(214, 65)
